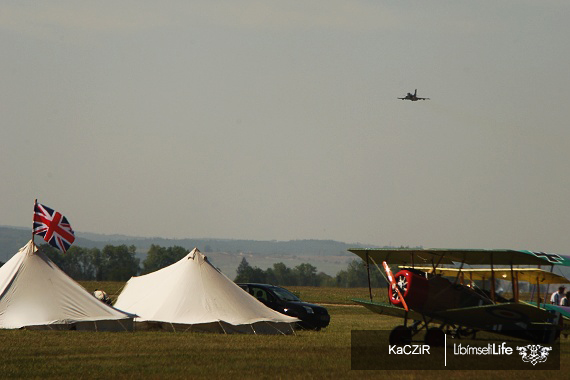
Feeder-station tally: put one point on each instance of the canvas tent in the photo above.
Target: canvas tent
(36, 294)
(192, 295)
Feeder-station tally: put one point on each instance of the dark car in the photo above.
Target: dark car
(313, 317)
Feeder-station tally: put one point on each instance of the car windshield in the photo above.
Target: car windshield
(285, 295)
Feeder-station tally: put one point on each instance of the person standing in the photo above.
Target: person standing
(557, 296)
(565, 301)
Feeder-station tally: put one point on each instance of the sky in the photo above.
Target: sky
(279, 120)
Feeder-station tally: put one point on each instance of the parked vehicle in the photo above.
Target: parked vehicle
(313, 317)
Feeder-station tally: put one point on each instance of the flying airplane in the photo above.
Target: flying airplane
(438, 305)
(413, 97)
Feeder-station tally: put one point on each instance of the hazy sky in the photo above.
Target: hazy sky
(279, 119)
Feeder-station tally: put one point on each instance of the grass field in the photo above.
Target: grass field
(308, 354)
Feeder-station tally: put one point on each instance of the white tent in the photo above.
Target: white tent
(36, 294)
(192, 295)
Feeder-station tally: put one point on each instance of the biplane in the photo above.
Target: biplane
(425, 299)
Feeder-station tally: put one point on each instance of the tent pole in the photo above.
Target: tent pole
(121, 324)
(33, 236)
(270, 325)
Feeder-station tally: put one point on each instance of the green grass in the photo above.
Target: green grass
(306, 293)
(336, 295)
(308, 354)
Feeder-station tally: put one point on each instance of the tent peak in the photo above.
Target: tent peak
(192, 254)
(29, 249)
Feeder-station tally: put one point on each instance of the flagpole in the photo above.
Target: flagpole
(33, 235)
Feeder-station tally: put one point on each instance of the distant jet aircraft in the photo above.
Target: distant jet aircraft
(413, 97)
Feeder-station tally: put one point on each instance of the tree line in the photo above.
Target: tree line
(119, 263)
(355, 275)
(112, 263)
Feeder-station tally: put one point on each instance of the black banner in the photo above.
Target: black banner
(371, 350)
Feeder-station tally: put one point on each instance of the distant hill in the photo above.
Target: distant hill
(328, 256)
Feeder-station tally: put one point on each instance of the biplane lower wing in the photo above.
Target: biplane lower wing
(500, 317)
(490, 316)
(563, 310)
(483, 317)
(512, 319)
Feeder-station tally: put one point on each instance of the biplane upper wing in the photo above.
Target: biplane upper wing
(532, 275)
(402, 256)
(505, 257)
(387, 309)
(468, 256)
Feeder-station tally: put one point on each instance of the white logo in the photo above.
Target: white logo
(534, 353)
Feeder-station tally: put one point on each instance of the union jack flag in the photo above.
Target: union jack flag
(53, 226)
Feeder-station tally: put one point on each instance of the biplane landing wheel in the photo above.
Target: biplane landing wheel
(435, 337)
(400, 335)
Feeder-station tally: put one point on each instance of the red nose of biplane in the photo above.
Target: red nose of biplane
(413, 287)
